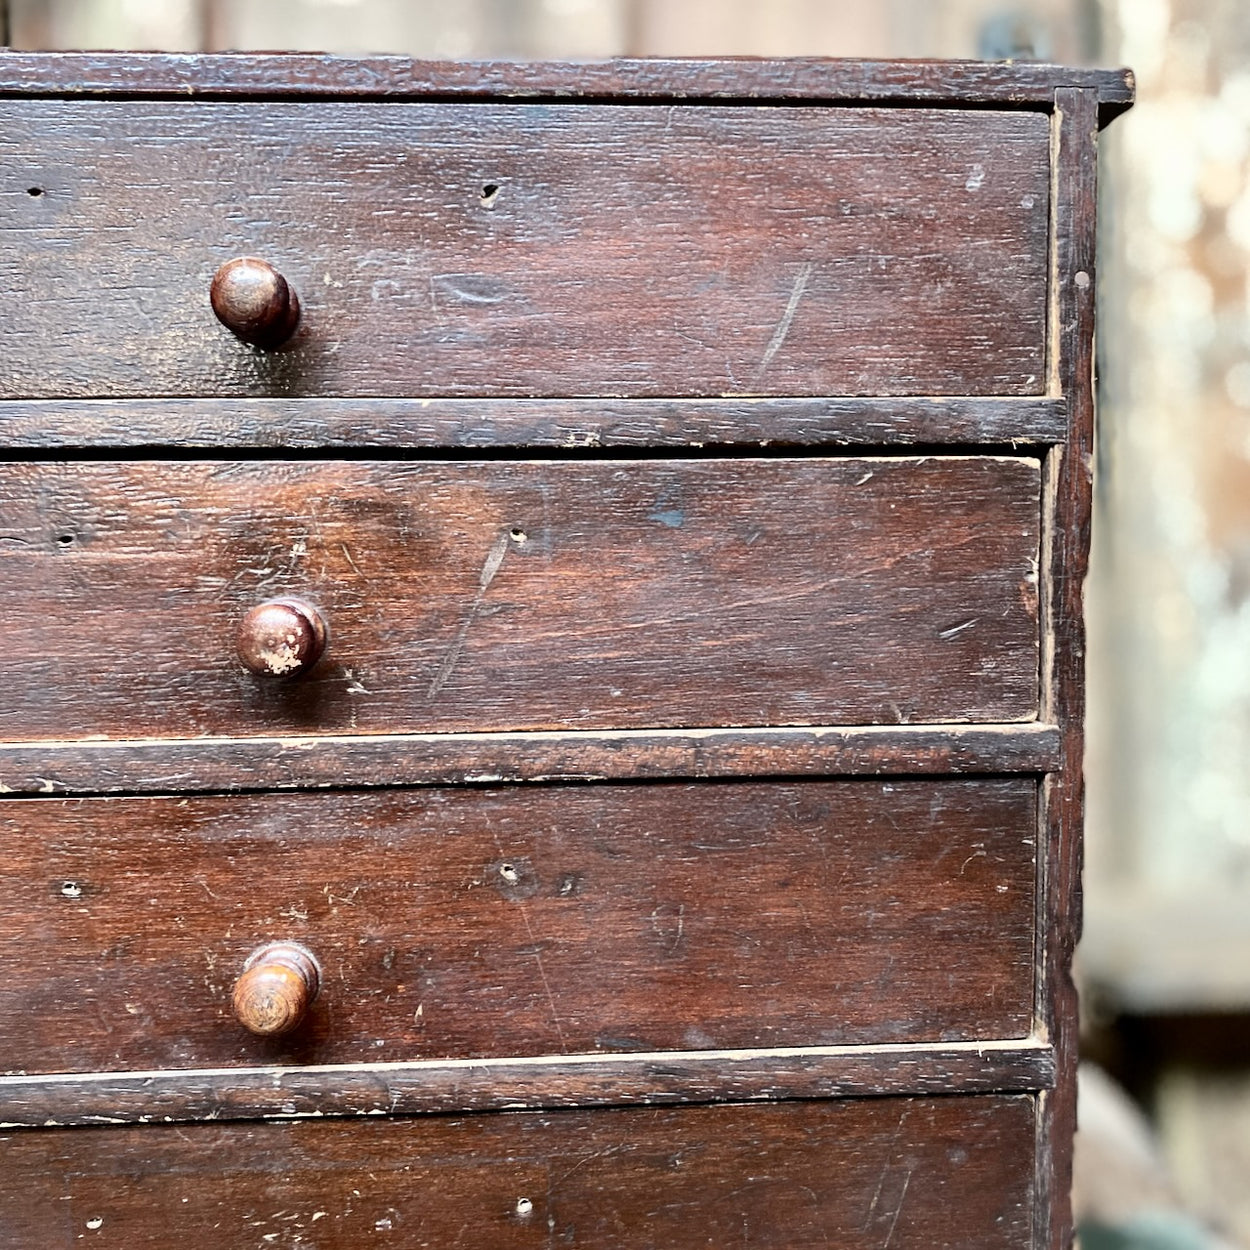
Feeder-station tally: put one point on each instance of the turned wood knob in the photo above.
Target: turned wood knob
(254, 301)
(281, 638)
(276, 988)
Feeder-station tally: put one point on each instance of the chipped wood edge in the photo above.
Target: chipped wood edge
(546, 1081)
(577, 425)
(1068, 495)
(749, 81)
(341, 762)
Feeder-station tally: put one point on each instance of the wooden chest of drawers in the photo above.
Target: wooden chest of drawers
(599, 644)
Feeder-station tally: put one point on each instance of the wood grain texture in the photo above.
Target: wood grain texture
(596, 1080)
(907, 1174)
(515, 250)
(224, 764)
(275, 75)
(647, 256)
(1069, 475)
(520, 595)
(570, 426)
(464, 923)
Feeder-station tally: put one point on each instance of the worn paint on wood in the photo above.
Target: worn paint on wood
(566, 426)
(217, 764)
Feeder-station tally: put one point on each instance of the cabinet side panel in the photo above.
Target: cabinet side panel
(1068, 498)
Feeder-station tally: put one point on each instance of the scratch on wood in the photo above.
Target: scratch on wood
(816, 1206)
(657, 917)
(787, 317)
(898, 1210)
(585, 1159)
(349, 898)
(467, 288)
(538, 957)
(490, 567)
(979, 852)
(885, 1169)
(354, 684)
(347, 555)
(542, 973)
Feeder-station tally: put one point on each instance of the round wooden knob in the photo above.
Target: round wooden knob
(281, 638)
(276, 988)
(253, 300)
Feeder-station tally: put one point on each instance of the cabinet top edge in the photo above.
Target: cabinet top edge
(747, 80)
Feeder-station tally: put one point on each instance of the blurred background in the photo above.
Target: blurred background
(1164, 1157)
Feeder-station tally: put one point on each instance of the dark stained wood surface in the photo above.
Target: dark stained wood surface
(254, 301)
(541, 920)
(902, 1174)
(594, 1080)
(733, 81)
(520, 595)
(571, 426)
(1069, 501)
(514, 250)
(493, 275)
(224, 764)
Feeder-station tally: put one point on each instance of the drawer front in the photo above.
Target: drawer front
(526, 249)
(520, 921)
(911, 1174)
(522, 595)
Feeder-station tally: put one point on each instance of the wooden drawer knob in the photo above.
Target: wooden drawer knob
(253, 300)
(276, 988)
(281, 638)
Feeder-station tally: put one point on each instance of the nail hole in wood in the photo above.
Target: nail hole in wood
(489, 194)
(509, 873)
(518, 536)
(65, 540)
(34, 191)
(524, 1207)
(71, 889)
